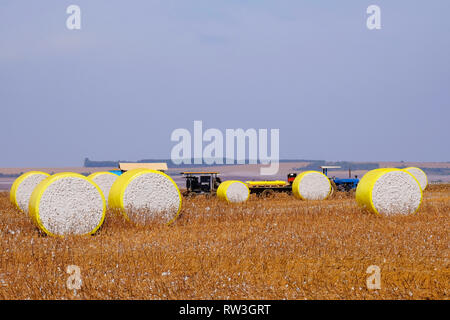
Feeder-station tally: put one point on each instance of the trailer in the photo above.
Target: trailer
(270, 187)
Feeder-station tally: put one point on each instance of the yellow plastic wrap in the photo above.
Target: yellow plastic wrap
(18, 181)
(298, 179)
(366, 184)
(223, 187)
(116, 194)
(39, 191)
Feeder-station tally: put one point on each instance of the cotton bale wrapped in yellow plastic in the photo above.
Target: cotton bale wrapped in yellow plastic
(419, 175)
(389, 191)
(105, 181)
(311, 185)
(23, 187)
(233, 191)
(67, 204)
(143, 195)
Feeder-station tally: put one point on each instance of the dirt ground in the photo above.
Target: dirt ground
(279, 248)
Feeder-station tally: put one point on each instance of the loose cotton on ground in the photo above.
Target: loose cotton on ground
(144, 195)
(233, 191)
(105, 181)
(419, 175)
(67, 204)
(389, 192)
(311, 185)
(23, 186)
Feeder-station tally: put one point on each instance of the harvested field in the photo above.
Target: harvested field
(278, 248)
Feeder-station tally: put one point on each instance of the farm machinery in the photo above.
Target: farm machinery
(208, 182)
(341, 184)
(269, 188)
(201, 182)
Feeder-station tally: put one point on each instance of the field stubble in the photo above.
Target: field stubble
(279, 248)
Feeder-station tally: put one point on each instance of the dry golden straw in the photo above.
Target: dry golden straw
(262, 249)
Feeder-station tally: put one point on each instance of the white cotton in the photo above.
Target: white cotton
(151, 195)
(25, 189)
(419, 175)
(105, 181)
(71, 206)
(237, 192)
(312, 185)
(396, 192)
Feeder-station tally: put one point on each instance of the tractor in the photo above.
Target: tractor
(201, 183)
(341, 184)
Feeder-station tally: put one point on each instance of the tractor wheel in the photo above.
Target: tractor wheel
(352, 193)
(268, 194)
(189, 195)
(208, 195)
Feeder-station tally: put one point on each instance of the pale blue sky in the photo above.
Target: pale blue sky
(137, 70)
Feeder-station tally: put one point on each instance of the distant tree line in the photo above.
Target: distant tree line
(89, 163)
(10, 175)
(437, 171)
(345, 165)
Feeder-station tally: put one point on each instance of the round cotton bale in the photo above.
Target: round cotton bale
(23, 186)
(233, 191)
(419, 175)
(67, 204)
(143, 195)
(389, 191)
(311, 185)
(105, 181)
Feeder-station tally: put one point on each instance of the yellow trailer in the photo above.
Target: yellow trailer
(266, 183)
(266, 188)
